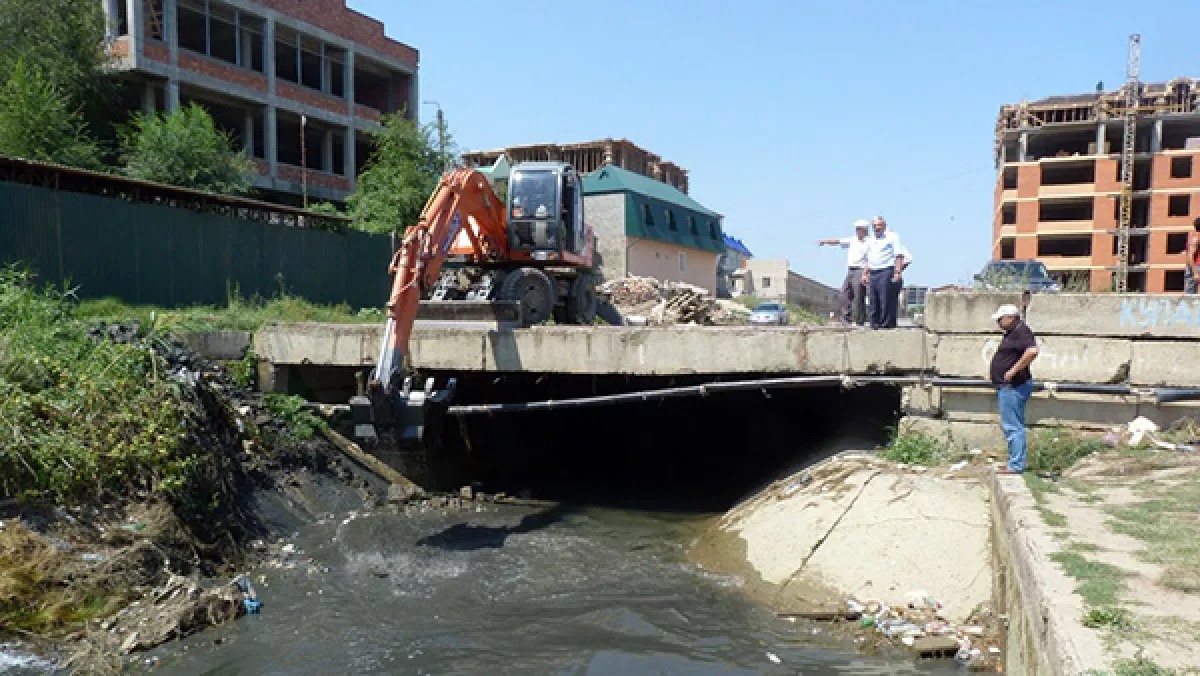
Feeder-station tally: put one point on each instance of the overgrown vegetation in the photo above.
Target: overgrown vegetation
(184, 148)
(238, 313)
(82, 418)
(1054, 450)
(1112, 618)
(915, 448)
(403, 171)
(299, 423)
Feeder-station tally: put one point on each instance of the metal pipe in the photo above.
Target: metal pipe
(784, 383)
(1168, 395)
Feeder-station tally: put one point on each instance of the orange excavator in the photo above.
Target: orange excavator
(470, 258)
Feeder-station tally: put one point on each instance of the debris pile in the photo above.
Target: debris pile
(645, 300)
(920, 624)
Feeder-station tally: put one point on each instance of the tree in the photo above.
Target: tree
(37, 122)
(402, 172)
(63, 40)
(184, 148)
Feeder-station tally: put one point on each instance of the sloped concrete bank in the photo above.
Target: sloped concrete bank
(857, 528)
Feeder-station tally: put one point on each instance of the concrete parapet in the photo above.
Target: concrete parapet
(1065, 409)
(902, 350)
(321, 344)
(966, 312)
(1169, 363)
(957, 434)
(1107, 314)
(1061, 358)
(219, 345)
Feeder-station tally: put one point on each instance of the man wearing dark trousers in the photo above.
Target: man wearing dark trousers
(885, 260)
(852, 303)
(1010, 374)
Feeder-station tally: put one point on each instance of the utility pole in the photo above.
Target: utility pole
(441, 127)
(304, 160)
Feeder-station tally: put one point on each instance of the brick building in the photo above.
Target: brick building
(588, 157)
(298, 83)
(1058, 185)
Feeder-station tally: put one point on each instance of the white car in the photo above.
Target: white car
(769, 314)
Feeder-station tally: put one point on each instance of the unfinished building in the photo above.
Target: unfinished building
(1058, 184)
(299, 84)
(588, 157)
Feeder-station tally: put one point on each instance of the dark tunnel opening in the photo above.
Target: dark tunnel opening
(687, 454)
(699, 454)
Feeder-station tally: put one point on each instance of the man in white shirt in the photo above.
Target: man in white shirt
(885, 261)
(852, 303)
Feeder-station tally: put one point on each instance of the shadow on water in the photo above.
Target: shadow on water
(462, 537)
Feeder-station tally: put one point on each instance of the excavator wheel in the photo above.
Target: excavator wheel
(581, 304)
(535, 291)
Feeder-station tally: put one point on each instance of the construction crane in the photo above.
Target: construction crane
(1124, 222)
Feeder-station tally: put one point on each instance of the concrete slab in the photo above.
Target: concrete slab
(956, 434)
(1169, 363)
(966, 312)
(219, 345)
(324, 344)
(1067, 409)
(1107, 314)
(921, 400)
(898, 350)
(1062, 358)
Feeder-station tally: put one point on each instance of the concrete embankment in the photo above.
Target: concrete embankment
(860, 528)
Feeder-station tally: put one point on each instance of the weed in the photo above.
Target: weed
(1039, 487)
(1083, 547)
(1140, 665)
(1099, 583)
(1054, 450)
(1052, 518)
(299, 422)
(914, 448)
(1112, 617)
(244, 372)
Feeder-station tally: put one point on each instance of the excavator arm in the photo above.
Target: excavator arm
(462, 212)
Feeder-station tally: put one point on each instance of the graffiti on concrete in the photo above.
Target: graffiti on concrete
(1153, 313)
(1049, 356)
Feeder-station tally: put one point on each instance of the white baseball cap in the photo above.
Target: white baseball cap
(862, 223)
(1006, 311)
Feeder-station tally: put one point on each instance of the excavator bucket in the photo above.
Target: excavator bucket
(404, 425)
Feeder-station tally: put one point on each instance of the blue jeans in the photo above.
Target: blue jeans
(1012, 420)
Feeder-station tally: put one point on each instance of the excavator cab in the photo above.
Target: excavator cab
(545, 212)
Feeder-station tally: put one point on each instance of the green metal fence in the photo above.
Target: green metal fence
(169, 256)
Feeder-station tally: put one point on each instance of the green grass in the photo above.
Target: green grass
(1113, 618)
(1055, 450)
(244, 314)
(1167, 523)
(1039, 488)
(1100, 584)
(914, 448)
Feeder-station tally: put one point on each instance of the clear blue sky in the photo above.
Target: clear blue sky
(792, 117)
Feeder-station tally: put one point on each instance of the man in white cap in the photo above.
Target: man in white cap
(885, 263)
(1014, 383)
(852, 303)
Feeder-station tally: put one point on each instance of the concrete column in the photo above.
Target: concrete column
(349, 158)
(271, 141)
(110, 18)
(135, 10)
(248, 132)
(327, 151)
(1100, 136)
(149, 99)
(172, 95)
(269, 67)
(1023, 146)
(1156, 137)
(246, 48)
(171, 28)
(413, 98)
(350, 81)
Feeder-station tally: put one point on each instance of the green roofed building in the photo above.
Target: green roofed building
(648, 228)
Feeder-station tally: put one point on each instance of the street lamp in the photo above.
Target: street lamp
(441, 126)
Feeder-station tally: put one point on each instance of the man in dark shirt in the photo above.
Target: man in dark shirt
(1014, 383)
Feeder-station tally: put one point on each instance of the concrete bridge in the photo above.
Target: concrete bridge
(1143, 342)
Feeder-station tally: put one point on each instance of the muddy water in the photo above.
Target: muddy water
(509, 590)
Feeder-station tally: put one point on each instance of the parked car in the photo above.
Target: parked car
(1016, 276)
(769, 314)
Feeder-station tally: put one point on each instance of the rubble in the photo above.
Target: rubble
(650, 301)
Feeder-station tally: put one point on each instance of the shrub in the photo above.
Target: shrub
(914, 448)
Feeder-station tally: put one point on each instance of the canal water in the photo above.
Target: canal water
(509, 590)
